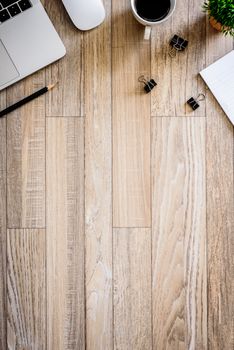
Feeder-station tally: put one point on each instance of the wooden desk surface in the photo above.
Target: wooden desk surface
(117, 207)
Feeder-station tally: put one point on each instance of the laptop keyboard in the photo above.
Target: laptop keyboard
(11, 8)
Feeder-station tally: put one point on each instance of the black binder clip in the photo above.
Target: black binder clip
(178, 44)
(149, 84)
(193, 103)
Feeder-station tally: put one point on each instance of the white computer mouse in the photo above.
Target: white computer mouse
(85, 14)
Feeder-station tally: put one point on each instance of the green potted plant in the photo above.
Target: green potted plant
(221, 15)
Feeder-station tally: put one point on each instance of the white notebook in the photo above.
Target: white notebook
(219, 77)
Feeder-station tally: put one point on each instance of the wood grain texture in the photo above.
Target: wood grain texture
(178, 78)
(131, 125)
(220, 212)
(125, 29)
(65, 234)
(98, 186)
(26, 156)
(132, 289)
(77, 285)
(2, 233)
(26, 289)
(3, 99)
(179, 234)
(66, 99)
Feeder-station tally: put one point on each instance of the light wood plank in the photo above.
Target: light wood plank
(125, 29)
(220, 228)
(98, 187)
(131, 126)
(220, 211)
(2, 233)
(66, 99)
(3, 99)
(26, 287)
(26, 156)
(179, 234)
(178, 78)
(65, 234)
(132, 289)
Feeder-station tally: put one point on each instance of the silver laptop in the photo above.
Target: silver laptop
(28, 40)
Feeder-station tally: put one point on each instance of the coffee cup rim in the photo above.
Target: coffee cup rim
(145, 21)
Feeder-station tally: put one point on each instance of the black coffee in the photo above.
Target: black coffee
(153, 10)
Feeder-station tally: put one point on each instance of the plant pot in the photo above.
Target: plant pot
(215, 24)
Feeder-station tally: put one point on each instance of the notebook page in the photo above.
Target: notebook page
(220, 79)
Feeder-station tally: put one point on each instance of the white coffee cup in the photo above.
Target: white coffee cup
(148, 24)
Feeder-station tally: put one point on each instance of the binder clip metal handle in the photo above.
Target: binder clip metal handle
(178, 44)
(172, 52)
(149, 84)
(193, 103)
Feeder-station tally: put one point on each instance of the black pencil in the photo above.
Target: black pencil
(26, 100)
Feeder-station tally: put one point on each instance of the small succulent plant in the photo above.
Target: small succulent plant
(221, 11)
